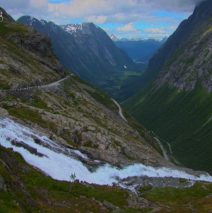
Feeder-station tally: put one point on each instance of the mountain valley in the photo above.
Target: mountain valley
(66, 146)
(89, 52)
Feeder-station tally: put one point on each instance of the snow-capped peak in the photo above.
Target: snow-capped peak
(72, 28)
(43, 22)
(32, 20)
(113, 37)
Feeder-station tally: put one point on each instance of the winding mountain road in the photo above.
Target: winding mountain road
(120, 110)
(45, 86)
(56, 84)
(164, 152)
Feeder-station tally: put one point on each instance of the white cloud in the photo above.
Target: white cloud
(155, 31)
(100, 11)
(82, 8)
(128, 28)
(97, 19)
(124, 12)
(39, 4)
(15, 4)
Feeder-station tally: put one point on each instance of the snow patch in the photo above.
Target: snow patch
(72, 28)
(60, 163)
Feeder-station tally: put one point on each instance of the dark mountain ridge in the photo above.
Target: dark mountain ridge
(86, 49)
(186, 33)
(6, 16)
(175, 99)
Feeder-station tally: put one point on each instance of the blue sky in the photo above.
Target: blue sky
(137, 19)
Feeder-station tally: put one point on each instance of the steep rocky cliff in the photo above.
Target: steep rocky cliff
(26, 56)
(176, 100)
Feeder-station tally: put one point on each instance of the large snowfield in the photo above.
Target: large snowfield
(62, 163)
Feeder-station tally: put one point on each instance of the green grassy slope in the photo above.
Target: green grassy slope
(181, 118)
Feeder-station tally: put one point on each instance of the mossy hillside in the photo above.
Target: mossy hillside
(32, 72)
(197, 198)
(21, 61)
(181, 118)
(97, 94)
(9, 28)
(29, 115)
(72, 115)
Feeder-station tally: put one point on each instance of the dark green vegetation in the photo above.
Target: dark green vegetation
(103, 99)
(175, 99)
(123, 85)
(183, 119)
(197, 198)
(14, 28)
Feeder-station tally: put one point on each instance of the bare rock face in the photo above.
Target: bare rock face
(192, 65)
(90, 126)
(185, 60)
(33, 62)
(38, 45)
(3, 112)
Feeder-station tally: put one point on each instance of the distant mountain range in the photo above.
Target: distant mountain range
(140, 50)
(113, 37)
(175, 96)
(85, 49)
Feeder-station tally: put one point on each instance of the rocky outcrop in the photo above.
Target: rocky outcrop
(39, 46)
(3, 112)
(6, 16)
(31, 63)
(185, 59)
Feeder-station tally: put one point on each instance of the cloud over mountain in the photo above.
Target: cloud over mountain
(124, 13)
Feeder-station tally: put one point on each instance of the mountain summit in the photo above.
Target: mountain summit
(6, 16)
(86, 49)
